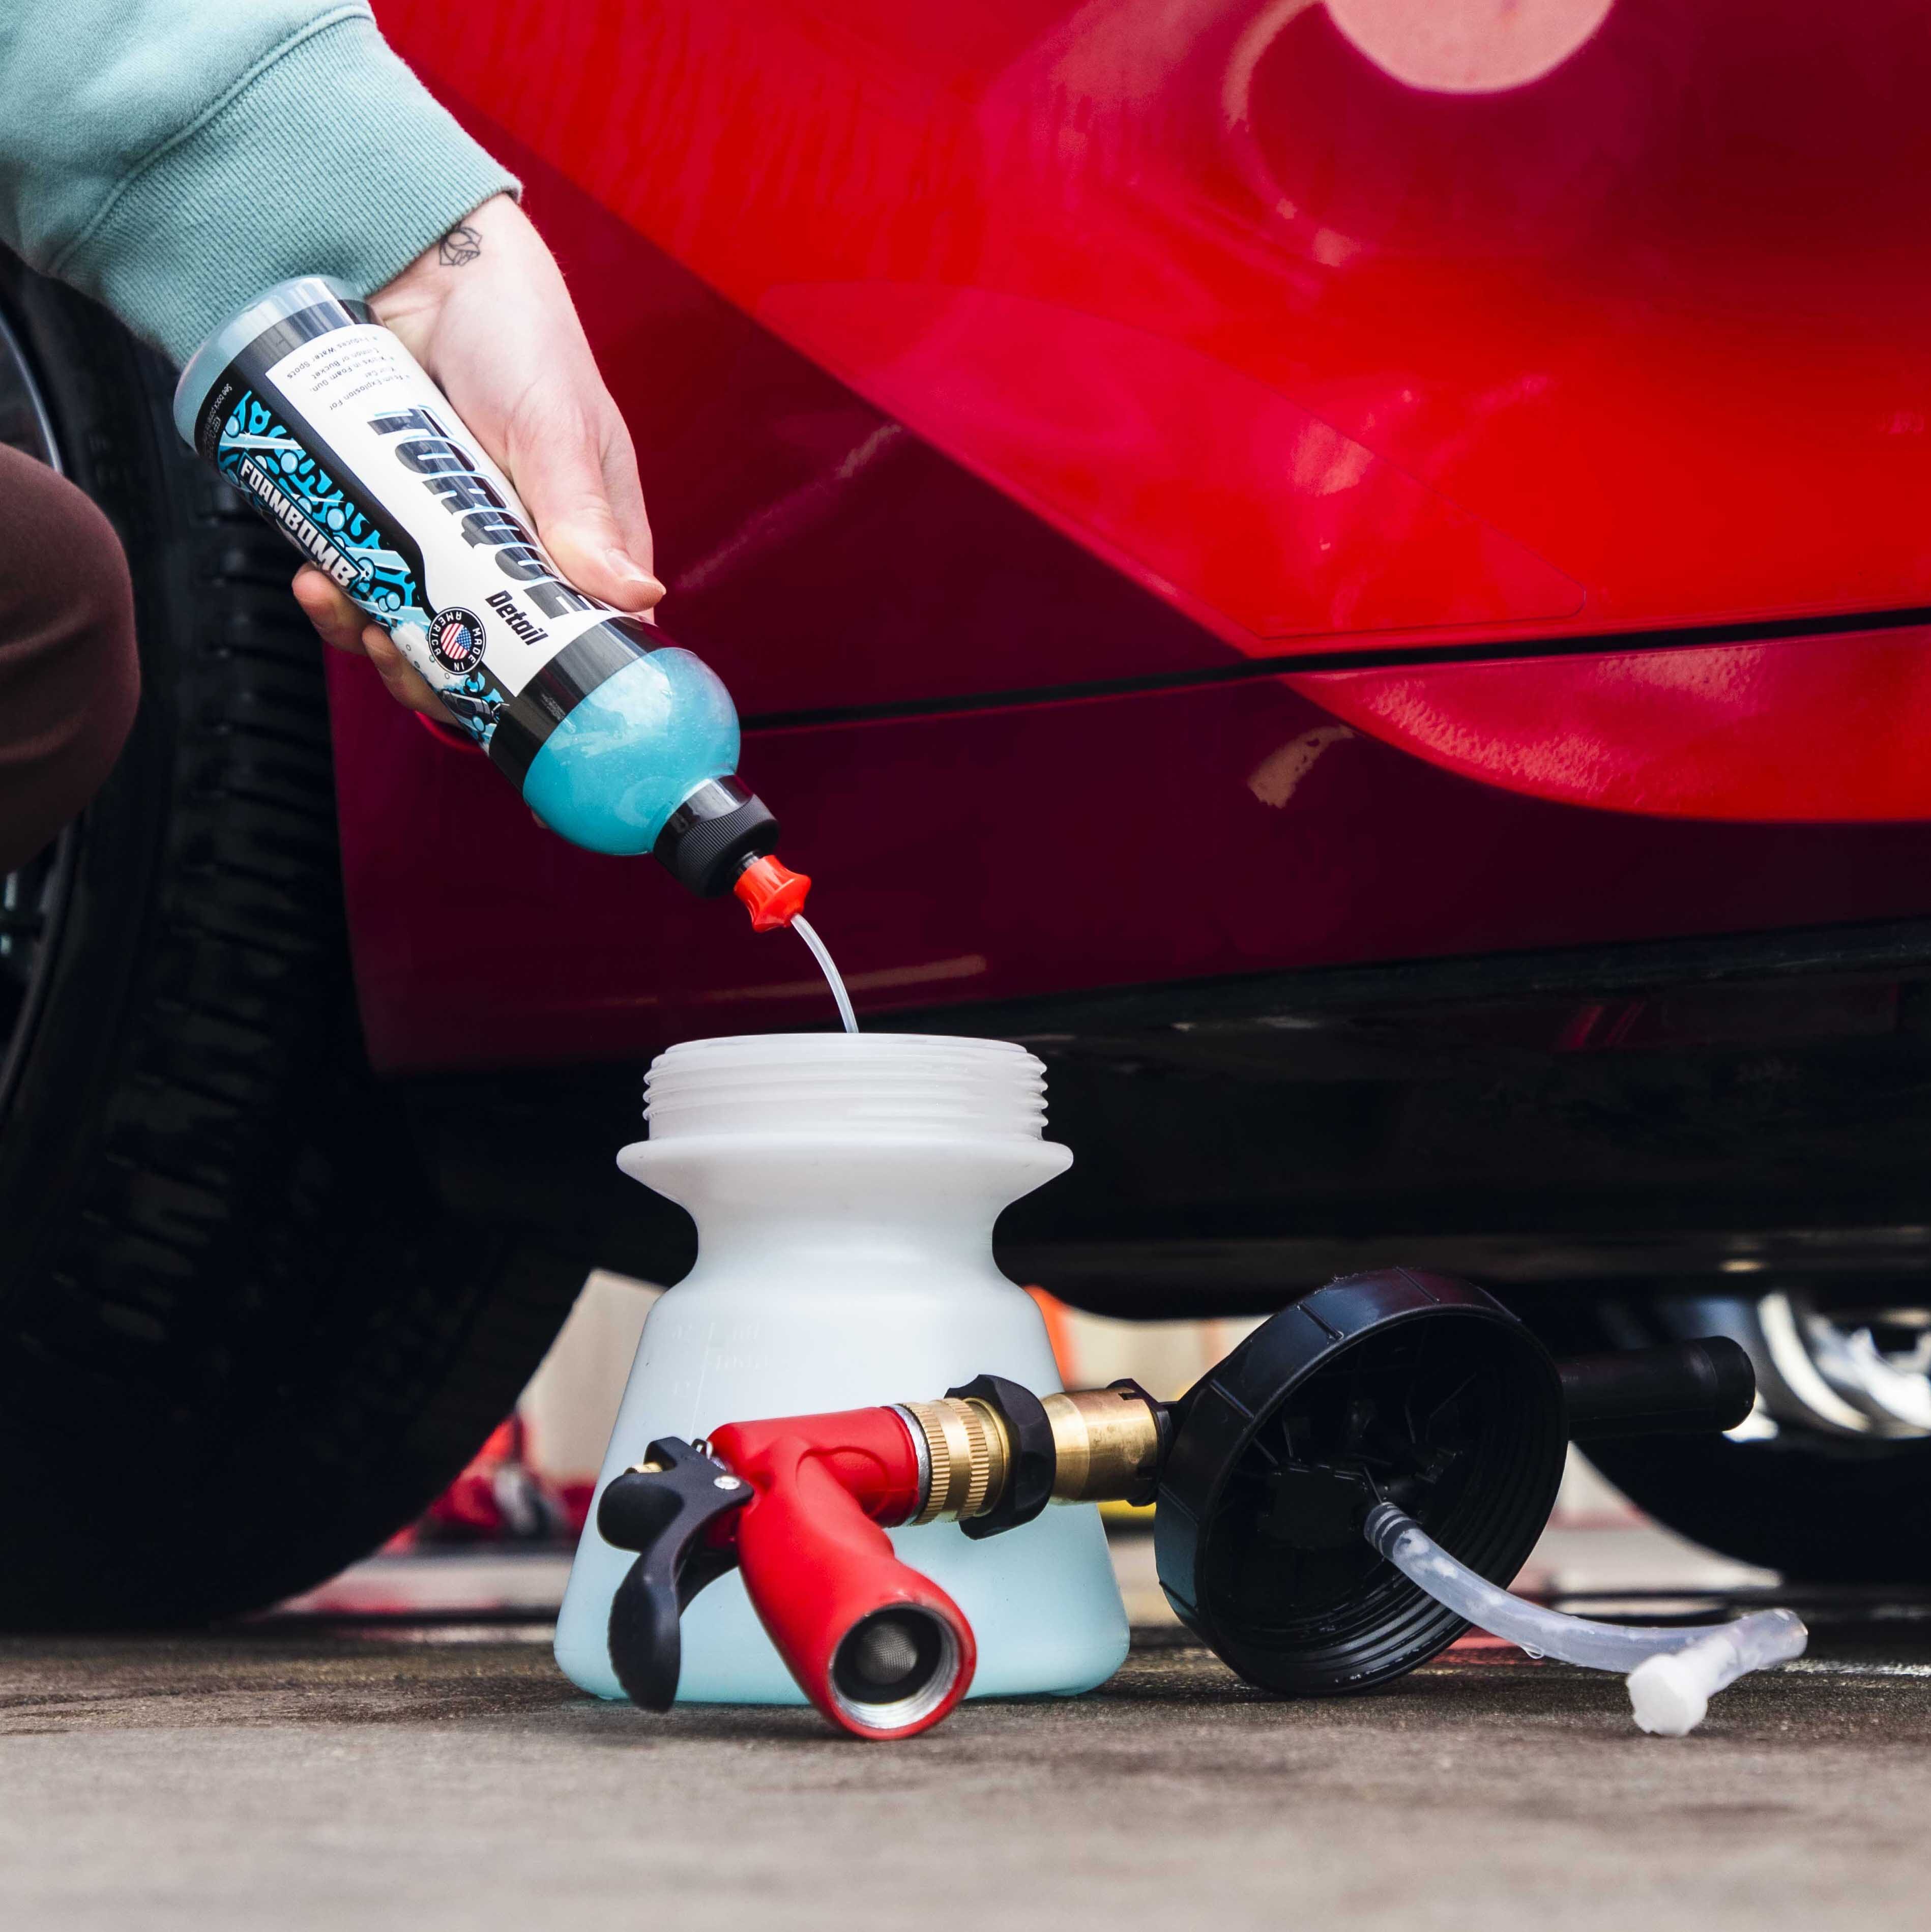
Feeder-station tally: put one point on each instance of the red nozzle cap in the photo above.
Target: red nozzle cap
(773, 894)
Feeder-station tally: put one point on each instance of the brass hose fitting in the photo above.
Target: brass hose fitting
(1106, 1445)
(967, 1454)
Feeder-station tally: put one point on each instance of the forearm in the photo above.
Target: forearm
(173, 157)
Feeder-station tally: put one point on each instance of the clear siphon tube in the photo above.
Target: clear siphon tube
(1673, 1670)
(803, 928)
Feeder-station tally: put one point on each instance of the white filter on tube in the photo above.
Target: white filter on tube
(1673, 1669)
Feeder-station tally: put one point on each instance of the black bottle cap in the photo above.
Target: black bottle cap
(710, 838)
(1398, 1386)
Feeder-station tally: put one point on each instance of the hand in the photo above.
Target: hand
(486, 313)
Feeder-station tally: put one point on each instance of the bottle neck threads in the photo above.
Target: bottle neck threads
(837, 1087)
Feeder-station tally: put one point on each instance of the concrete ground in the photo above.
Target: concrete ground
(415, 1769)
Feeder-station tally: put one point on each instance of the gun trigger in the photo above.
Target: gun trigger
(663, 1509)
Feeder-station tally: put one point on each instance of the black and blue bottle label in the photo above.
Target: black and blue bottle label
(339, 437)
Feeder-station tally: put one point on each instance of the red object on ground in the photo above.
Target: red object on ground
(816, 1562)
(498, 1499)
(1198, 443)
(772, 894)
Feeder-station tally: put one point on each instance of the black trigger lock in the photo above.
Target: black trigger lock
(662, 1508)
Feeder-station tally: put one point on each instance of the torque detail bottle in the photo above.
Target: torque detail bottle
(615, 737)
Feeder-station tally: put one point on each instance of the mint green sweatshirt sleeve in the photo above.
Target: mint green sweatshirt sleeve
(172, 158)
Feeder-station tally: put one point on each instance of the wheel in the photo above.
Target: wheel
(241, 1341)
(1829, 1481)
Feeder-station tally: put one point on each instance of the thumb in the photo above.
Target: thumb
(578, 480)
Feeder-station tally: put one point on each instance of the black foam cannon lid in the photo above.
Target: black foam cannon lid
(1415, 1387)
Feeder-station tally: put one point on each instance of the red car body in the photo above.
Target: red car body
(1226, 488)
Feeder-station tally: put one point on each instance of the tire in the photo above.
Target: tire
(1819, 1508)
(241, 1342)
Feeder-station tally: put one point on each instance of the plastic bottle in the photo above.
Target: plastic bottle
(845, 1189)
(615, 737)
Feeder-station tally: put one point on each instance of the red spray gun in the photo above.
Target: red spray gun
(802, 1505)
(1398, 1396)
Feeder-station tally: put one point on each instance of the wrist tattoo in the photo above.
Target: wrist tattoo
(461, 245)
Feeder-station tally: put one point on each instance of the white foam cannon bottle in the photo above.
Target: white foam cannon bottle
(845, 1190)
(616, 738)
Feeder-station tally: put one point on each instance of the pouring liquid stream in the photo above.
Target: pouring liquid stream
(802, 928)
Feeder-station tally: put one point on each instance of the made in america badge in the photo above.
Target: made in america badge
(456, 637)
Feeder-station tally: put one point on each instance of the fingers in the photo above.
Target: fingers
(494, 325)
(576, 471)
(344, 628)
(337, 620)
(404, 682)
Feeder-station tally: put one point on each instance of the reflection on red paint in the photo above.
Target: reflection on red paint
(1468, 47)
(1830, 729)
(1291, 527)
